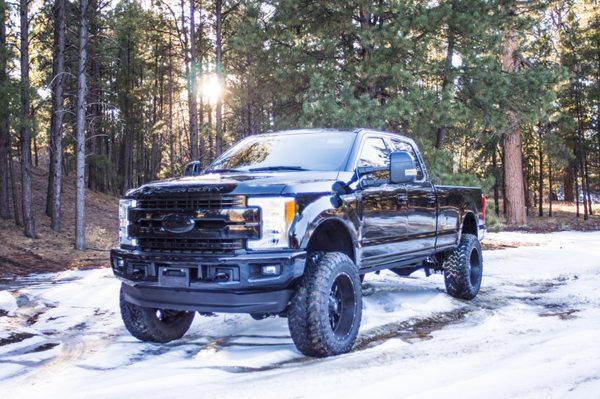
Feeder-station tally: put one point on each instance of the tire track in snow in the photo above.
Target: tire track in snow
(72, 344)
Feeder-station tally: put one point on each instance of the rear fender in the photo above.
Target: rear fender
(468, 217)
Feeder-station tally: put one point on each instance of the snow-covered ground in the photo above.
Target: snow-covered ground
(533, 332)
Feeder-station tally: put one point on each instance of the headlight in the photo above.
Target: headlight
(124, 206)
(277, 215)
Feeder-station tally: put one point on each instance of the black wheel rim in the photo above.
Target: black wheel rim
(475, 263)
(342, 302)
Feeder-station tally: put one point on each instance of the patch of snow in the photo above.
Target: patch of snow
(8, 302)
(532, 332)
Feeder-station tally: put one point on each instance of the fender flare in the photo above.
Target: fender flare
(322, 211)
(464, 216)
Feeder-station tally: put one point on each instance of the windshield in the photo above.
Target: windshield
(327, 151)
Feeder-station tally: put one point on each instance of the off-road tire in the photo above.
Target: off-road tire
(463, 268)
(144, 323)
(309, 314)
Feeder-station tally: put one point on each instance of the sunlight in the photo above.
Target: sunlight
(211, 89)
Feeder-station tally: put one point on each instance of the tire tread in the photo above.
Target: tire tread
(307, 322)
(143, 325)
(457, 268)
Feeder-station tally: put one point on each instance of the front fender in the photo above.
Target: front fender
(324, 208)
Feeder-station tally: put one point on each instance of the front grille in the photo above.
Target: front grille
(192, 203)
(190, 245)
(214, 231)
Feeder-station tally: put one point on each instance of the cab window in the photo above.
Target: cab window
(398, 145)
(375, 153)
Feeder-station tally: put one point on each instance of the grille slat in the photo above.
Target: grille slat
(186, 203)
(191, 245)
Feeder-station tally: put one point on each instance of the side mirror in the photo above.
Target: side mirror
(193, 169)
(403, 168)
(340, 188)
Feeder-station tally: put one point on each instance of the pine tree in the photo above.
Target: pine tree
(53, 201)
(4, 116)
(25, 122)
(80, 221)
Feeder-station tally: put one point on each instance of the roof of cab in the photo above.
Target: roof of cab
(304, 131)
(326, 130)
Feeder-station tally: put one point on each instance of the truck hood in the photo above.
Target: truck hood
(259, 183)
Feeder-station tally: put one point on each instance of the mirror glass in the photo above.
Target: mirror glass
(403, 167)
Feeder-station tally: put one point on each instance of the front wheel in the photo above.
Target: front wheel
(154, 325)
(325, 312)
(463, 268)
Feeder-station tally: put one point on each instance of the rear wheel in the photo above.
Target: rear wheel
(463, 268)
(325, 313)
(154, 325)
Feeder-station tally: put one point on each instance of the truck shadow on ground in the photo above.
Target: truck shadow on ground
(196, 344)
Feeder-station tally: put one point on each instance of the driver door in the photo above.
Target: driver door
(384, 224)
(421, 208)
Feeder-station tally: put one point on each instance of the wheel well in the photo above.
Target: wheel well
(331, 236)
(469, 225)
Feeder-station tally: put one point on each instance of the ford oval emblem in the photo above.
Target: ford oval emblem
(177, 224)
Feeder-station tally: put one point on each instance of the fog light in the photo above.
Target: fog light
(271, 270)
(120, 263)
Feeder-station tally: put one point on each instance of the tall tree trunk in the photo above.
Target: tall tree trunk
(577, 213)
(94, 90)
(53, 202)
(219, 65)
(503, 177)
(496, 178)
(201, 128)
(568, 183)
(35, 146)
(126, 146)
(580, 154)
(586, 174)
(540, 174)
(513, 166)
(81, 108)
(13, 187)
(447, 83)
(583, 188)
(4, 115)
(193, 89)
(171, 132)
(529, 200)
(211, 148)
(27, 196)
(550, 192)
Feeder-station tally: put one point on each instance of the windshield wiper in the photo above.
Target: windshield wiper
(268, 168)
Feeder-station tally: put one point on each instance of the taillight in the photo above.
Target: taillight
(482, 214)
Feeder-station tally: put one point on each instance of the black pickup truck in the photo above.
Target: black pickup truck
(287, 224)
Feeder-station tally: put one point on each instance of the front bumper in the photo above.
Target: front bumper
(209, 301)
(208, 283)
